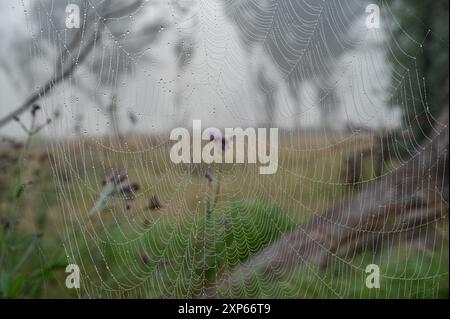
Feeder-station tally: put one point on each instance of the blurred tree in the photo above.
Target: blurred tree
(302, 40)
(419, 56)
(115, 51)
(184, 49)
(107, 44)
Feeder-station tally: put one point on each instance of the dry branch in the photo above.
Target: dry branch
(63, 74)
(401, 205)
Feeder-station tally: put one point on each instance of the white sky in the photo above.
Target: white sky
(217, 85)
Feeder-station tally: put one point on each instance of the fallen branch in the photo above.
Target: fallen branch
(401, 205)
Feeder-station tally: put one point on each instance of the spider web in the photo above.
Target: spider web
(311, 68)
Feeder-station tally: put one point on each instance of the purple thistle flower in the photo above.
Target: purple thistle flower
(215, 137)
(208, 175)
(219, 137)
(226, 222)
(34, 109)
(116, 185)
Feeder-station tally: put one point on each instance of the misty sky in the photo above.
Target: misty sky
(217, 86)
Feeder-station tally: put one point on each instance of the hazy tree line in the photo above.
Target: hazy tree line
(419, 58)
(300, 40)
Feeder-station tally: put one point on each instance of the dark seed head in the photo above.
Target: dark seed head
(35, 108)
(133, 119)
(135, 186)
(154, 203)
(5, 223)
(164, 262)
(115, 178)
(145, 260)
(129, 189)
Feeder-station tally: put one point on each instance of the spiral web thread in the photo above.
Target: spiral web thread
(176, 250)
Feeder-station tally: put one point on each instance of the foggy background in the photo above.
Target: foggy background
(288, 64)
(86, 176)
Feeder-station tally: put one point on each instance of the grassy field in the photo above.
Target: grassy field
(201, 230)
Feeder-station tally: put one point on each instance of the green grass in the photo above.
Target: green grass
(404, 274)
(184, 250)
(196, 249)
(201, 250)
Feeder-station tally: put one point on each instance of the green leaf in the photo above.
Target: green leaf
(15, 287)
(22, 240)
(4, 283)
(57, 265)
(20, 190)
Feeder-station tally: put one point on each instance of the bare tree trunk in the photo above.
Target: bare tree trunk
(113, 117)
(267, 88)
(328, 105)
(401, 205)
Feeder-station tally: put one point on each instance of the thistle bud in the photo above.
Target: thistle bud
(34, 109)
(154, 203)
